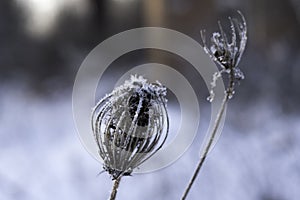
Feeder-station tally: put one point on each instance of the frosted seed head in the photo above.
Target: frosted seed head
(227, 53)
(130, 125)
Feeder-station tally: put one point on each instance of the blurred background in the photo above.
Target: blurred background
(43, 43)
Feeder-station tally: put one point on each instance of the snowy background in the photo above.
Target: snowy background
(42, 44)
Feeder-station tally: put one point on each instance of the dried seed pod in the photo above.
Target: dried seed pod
(130, 125)
(227, 53)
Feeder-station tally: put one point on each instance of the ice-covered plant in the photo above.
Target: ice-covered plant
(130, 125)
(227, 55)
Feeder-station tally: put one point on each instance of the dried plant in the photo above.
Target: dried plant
(227, 55)
(130, 125)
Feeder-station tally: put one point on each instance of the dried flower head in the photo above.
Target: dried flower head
(130, 124)
(228, 53)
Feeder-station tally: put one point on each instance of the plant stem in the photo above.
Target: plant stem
(114, 191)
(208, 145)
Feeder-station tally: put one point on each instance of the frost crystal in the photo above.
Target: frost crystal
(130, 125)
(227, 54)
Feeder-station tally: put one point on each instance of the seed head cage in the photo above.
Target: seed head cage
(228, 53)
(130, 125)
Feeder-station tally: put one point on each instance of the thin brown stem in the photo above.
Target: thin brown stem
(210, 142)
(114, 191)
(228, 59)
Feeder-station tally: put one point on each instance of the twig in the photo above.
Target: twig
(115, 189)
(207, 147)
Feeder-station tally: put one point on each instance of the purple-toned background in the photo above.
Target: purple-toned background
(42, 44)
